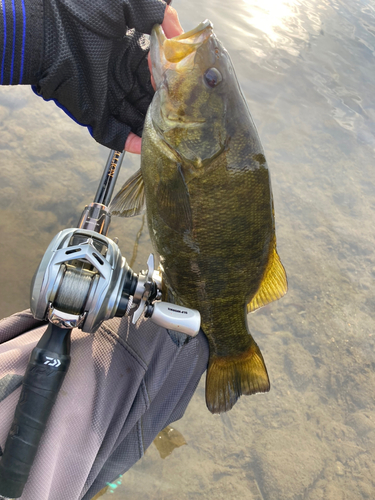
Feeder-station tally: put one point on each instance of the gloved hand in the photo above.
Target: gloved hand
(95, 64)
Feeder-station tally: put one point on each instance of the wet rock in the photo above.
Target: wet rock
(360, 388)
(316, 494)
(334, 492)
(365, 489)
(285, 335)
(289, 461)
(4, 113)
(362, 422)
(300, 365)
(339, 469)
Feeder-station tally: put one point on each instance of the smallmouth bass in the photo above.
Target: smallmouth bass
(210, 213)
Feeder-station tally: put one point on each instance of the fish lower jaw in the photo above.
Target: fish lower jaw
(174, 121)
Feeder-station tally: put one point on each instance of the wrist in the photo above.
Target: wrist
(21, 36)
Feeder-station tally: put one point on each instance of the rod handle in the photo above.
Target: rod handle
(45, 373)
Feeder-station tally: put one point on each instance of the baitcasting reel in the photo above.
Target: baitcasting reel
(83, 280)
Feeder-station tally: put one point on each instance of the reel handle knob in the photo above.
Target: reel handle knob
(175, 317)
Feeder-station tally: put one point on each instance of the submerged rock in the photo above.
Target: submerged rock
(288, 463)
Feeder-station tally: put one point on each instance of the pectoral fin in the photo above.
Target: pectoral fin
(273, 286)
(130, 200)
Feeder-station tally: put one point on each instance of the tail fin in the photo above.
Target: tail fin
(231, 376)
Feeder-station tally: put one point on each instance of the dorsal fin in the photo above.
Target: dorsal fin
(273, 286)
(130, 200)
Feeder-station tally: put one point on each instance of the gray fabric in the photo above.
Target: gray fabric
(8, 384)
(125, 384)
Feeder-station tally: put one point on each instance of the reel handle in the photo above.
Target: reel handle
(45, 373)
(174, 317)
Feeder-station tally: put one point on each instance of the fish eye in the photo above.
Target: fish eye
(212, 77)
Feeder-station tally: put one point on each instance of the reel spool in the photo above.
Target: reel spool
(83, 280)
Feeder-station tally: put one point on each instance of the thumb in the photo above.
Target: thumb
(133, 144)
(171, 24)
(171, 27)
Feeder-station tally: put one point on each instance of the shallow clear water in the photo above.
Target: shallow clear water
(307, 70)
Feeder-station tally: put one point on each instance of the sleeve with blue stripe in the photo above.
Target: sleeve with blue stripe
(21, 41)
(89, 56)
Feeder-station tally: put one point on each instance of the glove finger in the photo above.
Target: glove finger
(143, 14)
(111, 133)
(130, 92)
(129, 63)
(143, 76)
(128, 114)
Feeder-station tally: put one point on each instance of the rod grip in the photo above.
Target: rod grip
(45, 373)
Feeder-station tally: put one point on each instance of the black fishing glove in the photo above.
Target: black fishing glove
(90, 56)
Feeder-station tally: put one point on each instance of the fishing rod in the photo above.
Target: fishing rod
(82, 280)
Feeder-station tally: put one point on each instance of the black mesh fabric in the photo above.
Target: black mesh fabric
(21, 40)
(94, 62)
(125, 383)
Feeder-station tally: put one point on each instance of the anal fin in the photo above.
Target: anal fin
(273, 286)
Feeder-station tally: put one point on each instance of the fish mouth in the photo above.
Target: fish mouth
(171, 119)
(176, 53)
(177, 48)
